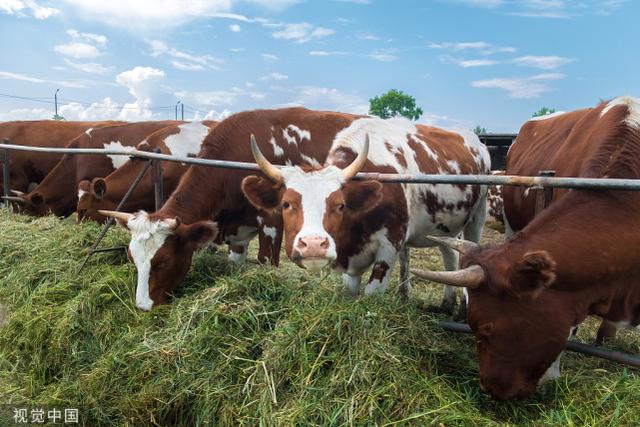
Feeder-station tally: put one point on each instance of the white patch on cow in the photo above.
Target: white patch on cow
(81, 193)
(277, 150)
(547, 116)
(632, 104)
(352, 283)
(314, 189)
(88, 132)
(301, 134)
(269, 232)
(146, 239)
(553, 372)
(188, 140)
(526, 192)
(238, 258)
(116, 160)
(311, 161)
(454, 166)
(260, 220)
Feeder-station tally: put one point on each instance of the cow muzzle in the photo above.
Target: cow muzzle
(313, 252)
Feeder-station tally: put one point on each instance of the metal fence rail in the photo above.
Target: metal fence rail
(511, 180)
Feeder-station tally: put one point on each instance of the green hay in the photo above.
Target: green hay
(255, 346)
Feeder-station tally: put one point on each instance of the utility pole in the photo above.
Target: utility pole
(182, 107)
(55, 97)
(178, 103)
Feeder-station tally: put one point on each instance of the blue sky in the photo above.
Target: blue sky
(467, 62)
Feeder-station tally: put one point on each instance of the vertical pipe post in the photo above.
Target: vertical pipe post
(405, 280)
(158, 188)
(544, 195)
(5, 173)
(182, 108)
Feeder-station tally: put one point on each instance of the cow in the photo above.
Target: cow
(577, 257)
(57, 192)
(495, 216)
(180, 140)
(28, 168)
(184, 140)
(331, 220)
(163, 243)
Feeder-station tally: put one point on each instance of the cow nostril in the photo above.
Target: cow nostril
(302, 243)
(325, 244)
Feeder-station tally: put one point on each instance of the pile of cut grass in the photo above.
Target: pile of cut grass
(254, 346)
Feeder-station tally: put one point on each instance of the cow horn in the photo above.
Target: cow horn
(172, 223)
(351, 170)
(122, 216)
(266, 167)
(19, 200)
(460, 245)
(471, 277)
(18, 193)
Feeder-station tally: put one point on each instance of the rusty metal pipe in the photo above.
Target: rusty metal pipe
(602, 353)
(526, 181)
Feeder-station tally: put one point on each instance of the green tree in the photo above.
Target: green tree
(394, 103)
(478, 130)
(57, 117)
(544, 111)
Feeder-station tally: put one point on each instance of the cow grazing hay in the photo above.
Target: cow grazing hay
(254, 345)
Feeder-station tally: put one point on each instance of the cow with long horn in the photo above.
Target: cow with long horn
(577, 257)
(162, 253)
(330, 219)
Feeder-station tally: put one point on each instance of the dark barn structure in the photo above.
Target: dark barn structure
(498, 144)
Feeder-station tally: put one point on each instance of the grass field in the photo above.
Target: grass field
(256, 346)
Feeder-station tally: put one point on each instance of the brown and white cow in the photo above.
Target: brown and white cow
(330, 220)
(57, 193)
(578, 257)
(184, 140)
(162, 243)
(28, 168)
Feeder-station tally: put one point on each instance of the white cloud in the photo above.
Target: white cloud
(151, 14)
(551, 9)
(355, 1)
(323, 98)
(77, 50)
(269, 57)
(383, 55)
(468, 63)
(210, 115)
(299, 32)
(327, 53)
(478, 3)
(542, 62)
(275, 76)
(88, 67)
(24, 8)
(143, 84)
(182, 60)
(481, 47)
(22, 77)
(275, 4)
(521, 87)
(98, 39)
(367, 36)
(235, 28)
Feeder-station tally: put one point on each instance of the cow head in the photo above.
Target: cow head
(519, 323)
(91, 198)
(317, 206)
(162, 249)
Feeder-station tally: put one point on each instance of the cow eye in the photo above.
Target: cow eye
(286, 205)
(340, 207)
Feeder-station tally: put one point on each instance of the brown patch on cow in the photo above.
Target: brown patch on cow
(379, 271)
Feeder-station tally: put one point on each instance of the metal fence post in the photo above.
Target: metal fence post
(158, 188)
(5, 173)
(544, 195)
(405, 279)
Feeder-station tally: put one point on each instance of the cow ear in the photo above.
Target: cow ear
(262, 193)
(98, 188)
(200, 234)
(534, 272)
(84, 185)
(361, 197)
